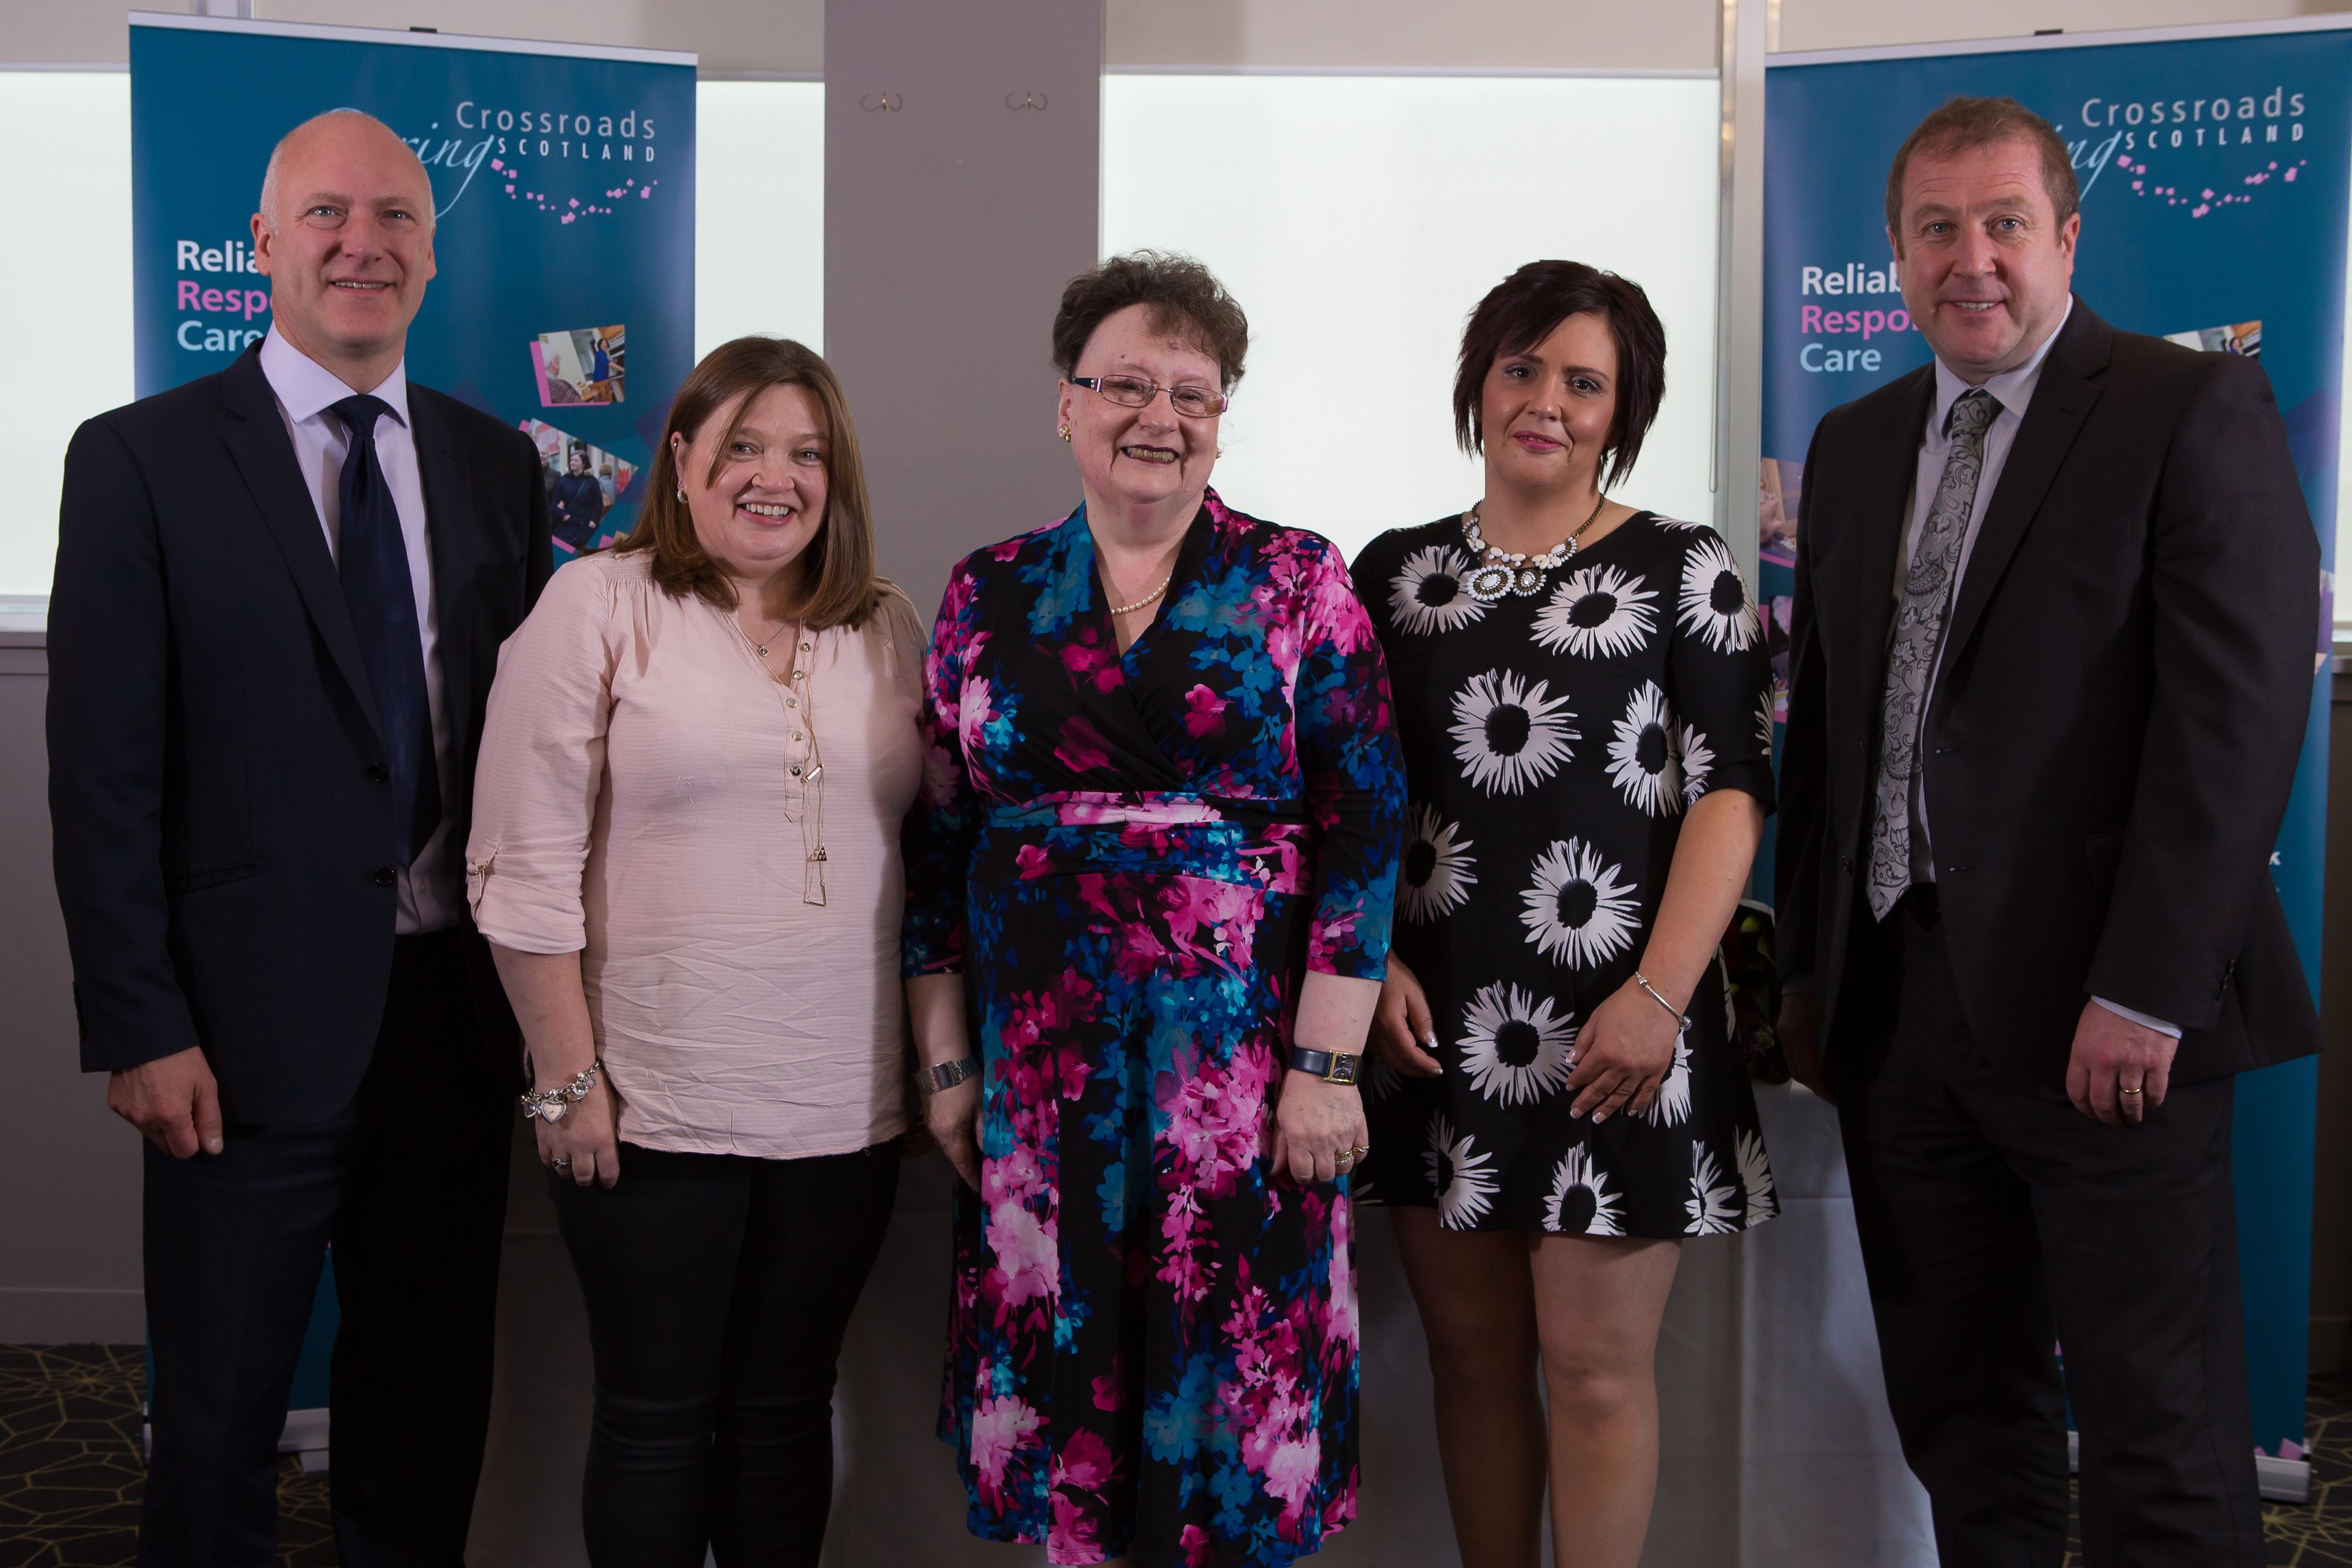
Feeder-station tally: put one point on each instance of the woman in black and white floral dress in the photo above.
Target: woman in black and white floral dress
(1583, 696)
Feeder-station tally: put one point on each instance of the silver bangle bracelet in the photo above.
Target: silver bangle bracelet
(1681, 1019)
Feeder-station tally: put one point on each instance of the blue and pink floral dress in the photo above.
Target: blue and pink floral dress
(1135, 858)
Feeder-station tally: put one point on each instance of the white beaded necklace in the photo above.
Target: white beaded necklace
(1502, 573)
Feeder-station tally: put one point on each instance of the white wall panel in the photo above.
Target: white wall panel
(66, 272)
(759, 214)
(1359, 219)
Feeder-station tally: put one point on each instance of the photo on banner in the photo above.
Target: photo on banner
(584, 484)
(563, 237)
(2215, 165)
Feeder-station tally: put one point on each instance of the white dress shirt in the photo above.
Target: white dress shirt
(430, 889)
(2012, 390)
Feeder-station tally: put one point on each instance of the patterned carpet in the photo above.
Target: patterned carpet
(70, 1469)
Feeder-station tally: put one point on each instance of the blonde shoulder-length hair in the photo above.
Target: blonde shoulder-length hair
(837, 584)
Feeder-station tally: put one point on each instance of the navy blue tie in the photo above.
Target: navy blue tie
(372, 559)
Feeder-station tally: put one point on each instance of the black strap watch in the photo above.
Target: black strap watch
(1332, 1066)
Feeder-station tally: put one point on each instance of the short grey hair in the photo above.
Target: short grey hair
(270, 192)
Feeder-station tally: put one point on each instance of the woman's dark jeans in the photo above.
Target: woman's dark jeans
(718, 1288)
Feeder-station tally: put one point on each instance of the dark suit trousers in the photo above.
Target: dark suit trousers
(409, 1184)
(2003, 1233)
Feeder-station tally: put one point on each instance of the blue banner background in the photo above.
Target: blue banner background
(2189, 222)
(548, 232)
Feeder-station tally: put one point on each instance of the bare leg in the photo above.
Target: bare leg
(1478, 1308)
(1598, 1303)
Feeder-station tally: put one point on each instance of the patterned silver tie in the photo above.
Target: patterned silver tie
(1898, 848)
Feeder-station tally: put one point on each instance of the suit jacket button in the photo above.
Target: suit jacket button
(379, 773)
(382, 876)
(1846, 864)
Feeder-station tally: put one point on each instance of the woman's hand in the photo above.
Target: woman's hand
(1403, 1033)
(951, 1116)
(1317, 1125)
(1622, 1054)
(585, 1145)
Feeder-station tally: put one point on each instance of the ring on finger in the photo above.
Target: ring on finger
(2134, 1089)
(561, 1162)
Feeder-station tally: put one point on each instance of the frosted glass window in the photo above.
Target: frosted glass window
(68, 272)
(1358, 219)
(758, 211)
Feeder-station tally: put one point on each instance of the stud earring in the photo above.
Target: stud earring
(681, 492)
(1065, 432)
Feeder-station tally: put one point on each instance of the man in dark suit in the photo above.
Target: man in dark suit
(2056, 604)
(280, 592)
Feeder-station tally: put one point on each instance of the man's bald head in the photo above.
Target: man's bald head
(345, 127)
(345, 232)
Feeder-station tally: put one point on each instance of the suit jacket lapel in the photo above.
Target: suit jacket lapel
(1867, 579)
(447, 524)
(2062, 401)
(265, 456)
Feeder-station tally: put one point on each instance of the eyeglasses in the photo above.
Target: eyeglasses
(1134, 391)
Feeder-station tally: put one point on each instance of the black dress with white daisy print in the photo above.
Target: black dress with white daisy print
(1553, 741)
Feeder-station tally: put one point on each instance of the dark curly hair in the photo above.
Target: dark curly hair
(1521, 311)
(1183, 297)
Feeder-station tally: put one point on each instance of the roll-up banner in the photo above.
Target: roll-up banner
(563, 198)
(563, 300)
(2213, 168)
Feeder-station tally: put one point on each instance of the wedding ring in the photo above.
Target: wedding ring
(2127, 1092)
(561, 1163)
(1358, 1151)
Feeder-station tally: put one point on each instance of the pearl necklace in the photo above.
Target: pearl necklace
(1130, 609)
(1502, 573)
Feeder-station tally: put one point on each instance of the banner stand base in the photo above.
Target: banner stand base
(2280, 1480)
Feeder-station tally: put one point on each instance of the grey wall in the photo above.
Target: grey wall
(69, 1170)
(951, 222)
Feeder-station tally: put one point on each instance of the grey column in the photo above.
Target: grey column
(953, 215)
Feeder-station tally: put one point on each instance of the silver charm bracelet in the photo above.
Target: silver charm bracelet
(551, 1105)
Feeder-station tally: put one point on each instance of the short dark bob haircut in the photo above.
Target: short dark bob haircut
(1964, 124)
(1523, 309)
(837, 582)
(1183, 297)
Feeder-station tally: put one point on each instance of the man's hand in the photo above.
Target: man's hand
(2119, 1069)
(174, 1099)
(1800, 1040)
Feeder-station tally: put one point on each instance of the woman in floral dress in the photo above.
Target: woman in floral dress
(1154, 852)
(1582, 693)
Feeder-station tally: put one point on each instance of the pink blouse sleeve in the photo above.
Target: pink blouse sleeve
(542, 766)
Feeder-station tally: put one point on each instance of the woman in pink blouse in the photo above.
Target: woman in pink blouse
(686, 857)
